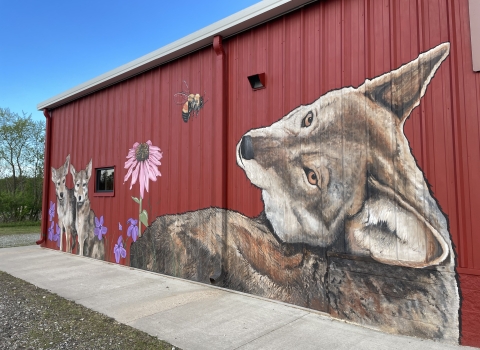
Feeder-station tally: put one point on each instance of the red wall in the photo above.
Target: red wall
(332, 44)
(104, 125)
(326, 45)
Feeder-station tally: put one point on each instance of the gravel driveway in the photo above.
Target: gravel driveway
(18, 240)
(33, 318)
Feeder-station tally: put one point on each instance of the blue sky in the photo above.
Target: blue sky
(47, 47)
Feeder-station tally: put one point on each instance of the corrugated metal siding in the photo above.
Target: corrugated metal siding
(305, 54)
(466, 110)
(324, 46)
(104, 125)
(332, 44)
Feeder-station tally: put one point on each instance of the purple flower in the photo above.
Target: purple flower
(50, 232)
(51, 211)
(120, 226)
(119, 250)
(100, 230)
(56, 236)
(132, 229)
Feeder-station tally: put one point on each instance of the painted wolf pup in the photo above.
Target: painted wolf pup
(89, 244)
(65, 205)
(349, 227)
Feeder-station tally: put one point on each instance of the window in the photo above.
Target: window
(105, 181)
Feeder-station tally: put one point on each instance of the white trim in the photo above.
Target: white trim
(240, 21)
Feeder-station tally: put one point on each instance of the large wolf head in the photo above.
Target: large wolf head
(342, 168)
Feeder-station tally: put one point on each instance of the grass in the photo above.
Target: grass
(19, 228)
(20, 223)
(35, 318)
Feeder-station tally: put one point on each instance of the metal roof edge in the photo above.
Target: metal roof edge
(231, 25)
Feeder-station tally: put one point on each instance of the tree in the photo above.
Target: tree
(21, 166)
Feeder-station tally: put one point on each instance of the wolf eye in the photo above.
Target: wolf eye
(307, 120)
(311, 176)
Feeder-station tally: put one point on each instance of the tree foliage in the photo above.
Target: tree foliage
(21, 166)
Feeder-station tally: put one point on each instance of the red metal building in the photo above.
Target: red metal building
(305, 49)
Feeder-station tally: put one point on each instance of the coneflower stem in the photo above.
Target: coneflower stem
(139, 219)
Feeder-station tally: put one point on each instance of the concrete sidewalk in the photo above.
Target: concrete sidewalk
(192, 315)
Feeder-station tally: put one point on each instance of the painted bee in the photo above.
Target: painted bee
(192, 103)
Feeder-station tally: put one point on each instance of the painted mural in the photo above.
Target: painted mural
(66, 205)
(79, 230)
(84, 232)
(349, 225)
(143, 160)
(76, 220)
(191, 103)
(90, 229)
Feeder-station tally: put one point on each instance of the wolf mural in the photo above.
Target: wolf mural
(88, 243)
(75, 217)
(349, 225)
(65, 206)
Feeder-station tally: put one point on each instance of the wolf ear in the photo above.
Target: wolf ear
(66, 165)
(393, 232)
(89, 169)
(54, 174)
(72, 171)
(400, 90)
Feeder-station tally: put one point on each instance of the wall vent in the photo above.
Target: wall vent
(257, 81)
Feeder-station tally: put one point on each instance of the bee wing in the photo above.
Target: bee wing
(180, 98)
(204, 100)
(185, 87)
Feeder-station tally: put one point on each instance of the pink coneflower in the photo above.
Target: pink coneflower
(142, 162)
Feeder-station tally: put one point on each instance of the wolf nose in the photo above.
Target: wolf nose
(246, 148)
(61, 194)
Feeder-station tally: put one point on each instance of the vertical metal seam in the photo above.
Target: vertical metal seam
(465, 152)
(454, 140)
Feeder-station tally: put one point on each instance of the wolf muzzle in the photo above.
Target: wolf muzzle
(246, 148)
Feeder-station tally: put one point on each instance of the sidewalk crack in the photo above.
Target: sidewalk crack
(273, 330)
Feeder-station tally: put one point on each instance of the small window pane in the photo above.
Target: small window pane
(105, 180)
